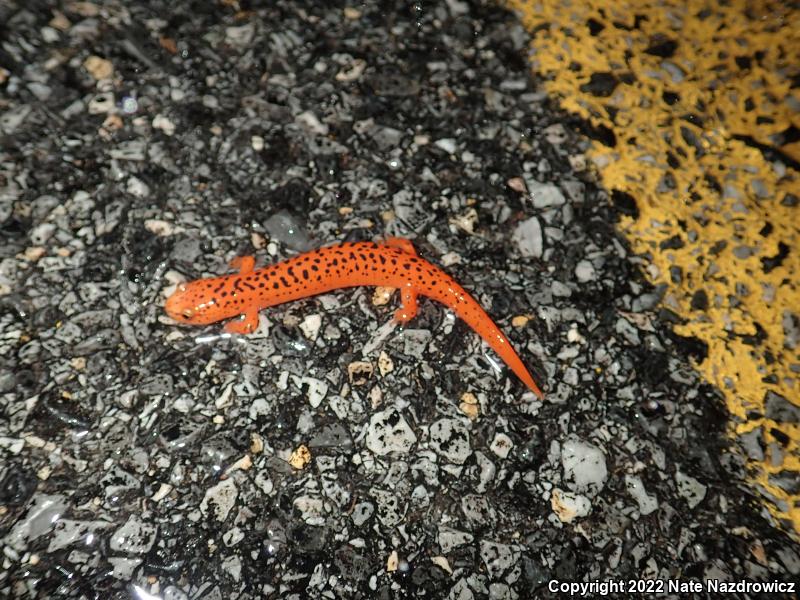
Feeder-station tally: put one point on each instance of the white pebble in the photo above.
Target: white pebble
(219, 500)
(316, 389)
(635, 487)
(310, 326)
(446, 144)
(690, 489)
(164, 124)
(41, 233)
(528, 238)
(450, 439)
(584, 466)
(159, 227)
(569, 506)
(389, 432)
(101, 104)
(574, 336)
(501, 445)
(544, 195)
(584, 271)
(137, 187)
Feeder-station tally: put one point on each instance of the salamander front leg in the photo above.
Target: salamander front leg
(245, 264)
(408, 305)
(247, 325)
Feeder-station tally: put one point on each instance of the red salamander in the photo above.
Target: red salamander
(392, 263)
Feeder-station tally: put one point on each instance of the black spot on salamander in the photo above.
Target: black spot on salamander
(218, 289)
(372, 256)
(224, 294)
(335, 262)
(261, 284)
(276, 285)
(314, 268)
(305, 274)
(248, 285)
(382, 259)
(394, 261)
(284, 282)
(406, 266)
(352, 255)
(363, 256)
(317, 261)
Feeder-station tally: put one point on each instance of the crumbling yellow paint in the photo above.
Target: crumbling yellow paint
(693, 91)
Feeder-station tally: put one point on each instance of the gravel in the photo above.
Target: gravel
(332, 453)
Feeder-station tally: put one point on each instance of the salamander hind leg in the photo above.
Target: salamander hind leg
(408, 305)
(401, 244)
(245, 264)
(247, 325)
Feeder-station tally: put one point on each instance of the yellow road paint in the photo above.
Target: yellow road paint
(683, 97)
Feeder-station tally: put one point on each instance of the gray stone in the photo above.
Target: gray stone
(647, 502)
(39, 520)
(779, 409)
(584, 466)
(450, 538)
(134, 537)
(544, 195)
(362, 512)
(528, 238)
(219, 500)
(498, 558)
(450, 439)
(390, 508)
(389, 432)
(585, 272)
(689, 488)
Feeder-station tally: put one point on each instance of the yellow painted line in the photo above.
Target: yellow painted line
(683, 96)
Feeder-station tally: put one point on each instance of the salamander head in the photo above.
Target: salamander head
(194, 304)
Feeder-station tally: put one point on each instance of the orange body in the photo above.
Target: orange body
(393, 263)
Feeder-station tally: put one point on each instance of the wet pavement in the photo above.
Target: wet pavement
(333, 454)
(695, 113)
